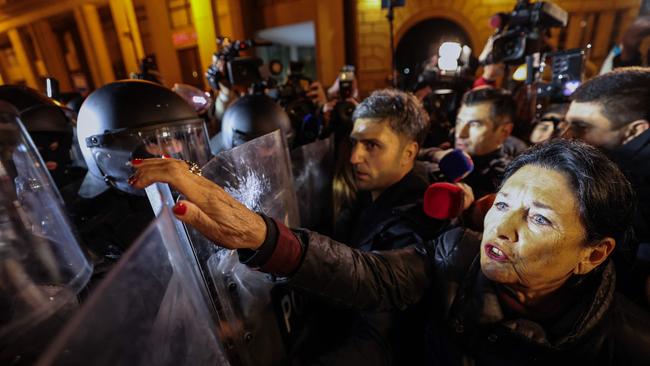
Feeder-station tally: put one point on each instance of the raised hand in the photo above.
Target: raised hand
(208, 208)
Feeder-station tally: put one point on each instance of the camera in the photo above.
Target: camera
(296, 85)
(521, 32)
(567, 74)
(303, 113)
(238, 70)
(341, 117)
(446, 82)
(346, 86)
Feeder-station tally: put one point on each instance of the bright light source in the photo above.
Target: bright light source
(447, 64)
(198, 99)
(407, 71)
(443, 91)
(521, 73)
(449, 53)
(570, 87)
(450, 50)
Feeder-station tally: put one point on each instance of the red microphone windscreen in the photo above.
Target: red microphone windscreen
(443, 201)
(497, 20)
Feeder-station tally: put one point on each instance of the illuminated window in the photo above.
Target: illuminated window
(180, 15)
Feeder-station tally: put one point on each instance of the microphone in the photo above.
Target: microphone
(499, 20)
(456, 165)
(443, 201)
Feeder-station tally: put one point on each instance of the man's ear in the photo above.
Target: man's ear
(594, 255)
(410, 152)
(635, 129)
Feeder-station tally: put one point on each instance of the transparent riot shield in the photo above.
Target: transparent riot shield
(313, 171)
(42, 268)
(150, 310)
(258, 174)
(258, 314)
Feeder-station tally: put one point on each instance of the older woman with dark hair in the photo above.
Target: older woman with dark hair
(537, 287)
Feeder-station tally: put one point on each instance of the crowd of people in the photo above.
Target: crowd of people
(481, 235)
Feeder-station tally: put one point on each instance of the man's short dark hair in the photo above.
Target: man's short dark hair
(624, 95)
(503, 110)
(605, 197)
(403, 111)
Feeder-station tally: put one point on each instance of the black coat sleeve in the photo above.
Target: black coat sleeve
(387, 280)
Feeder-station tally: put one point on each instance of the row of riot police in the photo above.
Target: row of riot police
(95, 272)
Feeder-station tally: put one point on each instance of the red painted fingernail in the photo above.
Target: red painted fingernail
(166, 156)
(136, 161)
(180, 209)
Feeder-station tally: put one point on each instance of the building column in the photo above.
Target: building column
(161, 37)
(574, 31)
(330, 40)
(24, 62)
(230, 18)
(205, 31)
(94, 43)
(128, 33)
(603, 33)
(50, 53)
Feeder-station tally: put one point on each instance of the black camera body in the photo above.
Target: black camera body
(521, 32)
(303, 113)
(346, 78)
(567, 74)
(241, 71)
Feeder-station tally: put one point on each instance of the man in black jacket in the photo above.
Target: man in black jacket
(389, 128)
(612, 112)
(484, 123)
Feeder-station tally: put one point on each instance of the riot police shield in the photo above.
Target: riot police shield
(150, 310)
(258, 174)
(259, 314)
(42, 268)
(313, 171)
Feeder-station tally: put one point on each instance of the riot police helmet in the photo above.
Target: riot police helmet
(130, 119)
(249, 117)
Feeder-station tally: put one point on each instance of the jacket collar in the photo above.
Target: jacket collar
(396, 199)
(477, 304)
(484, 161)
(407, 191)
(639, 148)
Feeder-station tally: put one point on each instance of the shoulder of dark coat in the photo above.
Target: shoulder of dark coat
(631, 331)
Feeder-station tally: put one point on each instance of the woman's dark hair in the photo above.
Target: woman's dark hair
(605, 197)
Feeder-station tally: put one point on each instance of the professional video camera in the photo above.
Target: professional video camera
(237, 70)
(341, 117)
(296, 85)
(521, 33)
(448, 76)
(292, 96)
(567, 74)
